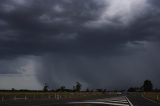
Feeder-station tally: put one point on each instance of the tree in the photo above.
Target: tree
(78, 86)
(131, 89)
(147, 86)
(62, 88)
(87, 90)
(99, 90)
(104, 90)
(45, 88)
(74, 88)
(13, 89)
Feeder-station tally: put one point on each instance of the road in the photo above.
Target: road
(139, 100)
(125, 100)
(112, 101)
(122, 100)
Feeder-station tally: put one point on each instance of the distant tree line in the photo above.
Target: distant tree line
(76, 88)
(146, 87)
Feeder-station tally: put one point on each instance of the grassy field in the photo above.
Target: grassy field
(54, 96)
(153, 96)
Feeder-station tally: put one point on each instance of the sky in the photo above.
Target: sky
(112, 44)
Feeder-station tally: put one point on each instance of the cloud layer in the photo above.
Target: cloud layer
(109, 44)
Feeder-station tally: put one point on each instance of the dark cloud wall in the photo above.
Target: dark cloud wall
(84, 41)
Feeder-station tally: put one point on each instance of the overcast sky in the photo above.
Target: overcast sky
(111, 44)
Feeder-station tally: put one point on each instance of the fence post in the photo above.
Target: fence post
(61, 97)
(49, 97)
(2, 99)
(57, 97)
(14, 98)
(34, 97)
(25, 98)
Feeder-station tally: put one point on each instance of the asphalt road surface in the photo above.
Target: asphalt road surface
(113, 101)
(123, 100)
(139, 100)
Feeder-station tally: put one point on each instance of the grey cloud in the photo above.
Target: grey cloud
(58, 28)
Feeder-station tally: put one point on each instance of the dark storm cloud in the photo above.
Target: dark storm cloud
(59, 26)
(70, 33)
(37, 27)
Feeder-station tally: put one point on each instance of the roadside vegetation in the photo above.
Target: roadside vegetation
(147, 91)
(61, 94)
(57, 96)
(155, 96)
